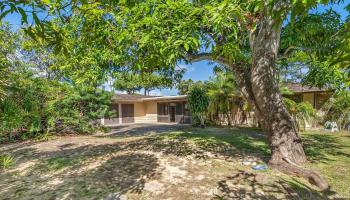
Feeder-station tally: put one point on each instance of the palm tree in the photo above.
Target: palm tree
(301, 112)
(222, 91)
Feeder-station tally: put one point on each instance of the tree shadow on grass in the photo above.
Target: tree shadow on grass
(301, 190)
(85, 172)
(318, 147)
(63, 172)
(201, 143)
(110, 170)
(245, 185)
(137, 130)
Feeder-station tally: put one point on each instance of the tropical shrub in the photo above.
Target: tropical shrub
(337, 109)
(302, 112)
(222, 94)
(198, 102)
(36, 106)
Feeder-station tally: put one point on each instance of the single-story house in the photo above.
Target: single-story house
(315, 96)
(135, 108)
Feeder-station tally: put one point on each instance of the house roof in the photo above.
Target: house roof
(299, 88)
(178, 97)
(294, 87)
(142, 98)
(129, 97)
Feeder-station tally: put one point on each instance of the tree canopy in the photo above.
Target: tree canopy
(254, 39)
(156, 33)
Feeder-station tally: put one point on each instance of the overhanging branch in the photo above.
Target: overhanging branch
(207, 56)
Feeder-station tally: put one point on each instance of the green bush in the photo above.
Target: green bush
(6, 161)
(198, 102)
(35, 107)
(301, 112)
(337, 109)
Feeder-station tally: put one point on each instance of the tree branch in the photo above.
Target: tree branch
(208, 56)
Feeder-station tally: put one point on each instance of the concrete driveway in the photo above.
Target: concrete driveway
(142, 129)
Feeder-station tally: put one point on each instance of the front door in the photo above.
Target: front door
(128, 113)
(172, 113)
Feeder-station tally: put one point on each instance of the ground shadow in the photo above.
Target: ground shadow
(244, 185)
(318, 146)
(134, 130)
(201, 143)
(85, 172)
(111, 170)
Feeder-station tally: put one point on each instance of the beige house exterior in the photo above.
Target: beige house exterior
(315, 96)
(148, 109)
(135, 108)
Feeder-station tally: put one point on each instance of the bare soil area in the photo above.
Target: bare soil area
(180, 163)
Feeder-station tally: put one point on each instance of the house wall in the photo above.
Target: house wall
(150, 112)
(139, 112)
(309, 97)
(146, 112)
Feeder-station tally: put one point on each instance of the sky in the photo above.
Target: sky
(199, 71)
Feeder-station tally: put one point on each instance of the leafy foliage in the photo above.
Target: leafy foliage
(184, 86)
(337, 109)
(301, 112)
(38, 101)
(311, 49)
(198, 102)
(8, 44)
(223, 93)
(37, 106)
(103, 37)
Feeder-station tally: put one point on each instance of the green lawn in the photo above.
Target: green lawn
(186, 164)
(329, 153)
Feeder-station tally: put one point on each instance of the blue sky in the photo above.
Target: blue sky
(200, 70)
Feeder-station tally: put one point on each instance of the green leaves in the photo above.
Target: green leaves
(92, 41)
(317, 43)
(24, 15)
(302, 112)
(222, 92)
(198, 101)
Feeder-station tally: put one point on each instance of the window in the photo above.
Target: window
(179, 108)
(162, 109)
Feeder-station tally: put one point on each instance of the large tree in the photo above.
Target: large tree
(242, 35)
(184, 86)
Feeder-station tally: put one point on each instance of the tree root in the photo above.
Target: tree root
(292, 169)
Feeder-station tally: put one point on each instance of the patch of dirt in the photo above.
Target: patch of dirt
(142, 167)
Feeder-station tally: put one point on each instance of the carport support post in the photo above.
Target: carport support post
(120, 113)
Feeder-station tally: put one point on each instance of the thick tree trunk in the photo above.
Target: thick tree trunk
(274, 117)
(261, 89)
